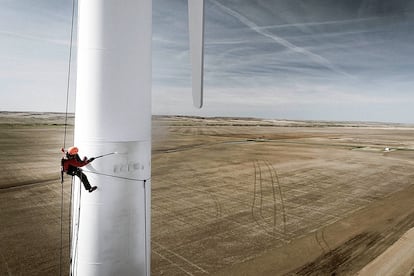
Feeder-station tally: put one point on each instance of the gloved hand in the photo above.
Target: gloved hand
(91, 159)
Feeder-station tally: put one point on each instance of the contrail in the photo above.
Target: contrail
(35, 38)
(331, 22)
(317, 58)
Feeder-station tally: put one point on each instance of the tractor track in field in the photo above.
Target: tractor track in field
(321, 240)
(265, 173)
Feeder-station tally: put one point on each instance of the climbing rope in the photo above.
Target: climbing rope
(61, 228)
(69, 73)
(69, 218)
(65, 134)
(75, 250)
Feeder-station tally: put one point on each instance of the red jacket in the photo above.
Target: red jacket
(73, 161)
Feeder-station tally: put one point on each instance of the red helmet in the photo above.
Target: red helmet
(73, 150)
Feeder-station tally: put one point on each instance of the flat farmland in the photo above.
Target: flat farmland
(230, 196)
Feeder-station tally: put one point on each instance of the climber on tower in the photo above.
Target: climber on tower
(71, 164)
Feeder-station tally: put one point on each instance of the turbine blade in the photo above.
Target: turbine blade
(196, 28)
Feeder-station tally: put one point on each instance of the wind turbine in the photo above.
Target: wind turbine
(111, 226)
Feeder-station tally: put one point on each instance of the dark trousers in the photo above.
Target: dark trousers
(78, 172)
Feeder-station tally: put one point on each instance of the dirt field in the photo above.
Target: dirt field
(229, 196)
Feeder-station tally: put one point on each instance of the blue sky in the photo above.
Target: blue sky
(290, 59)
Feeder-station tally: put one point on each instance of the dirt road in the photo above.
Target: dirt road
(398, 259)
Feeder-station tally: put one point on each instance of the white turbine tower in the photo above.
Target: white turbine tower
(111, 226)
